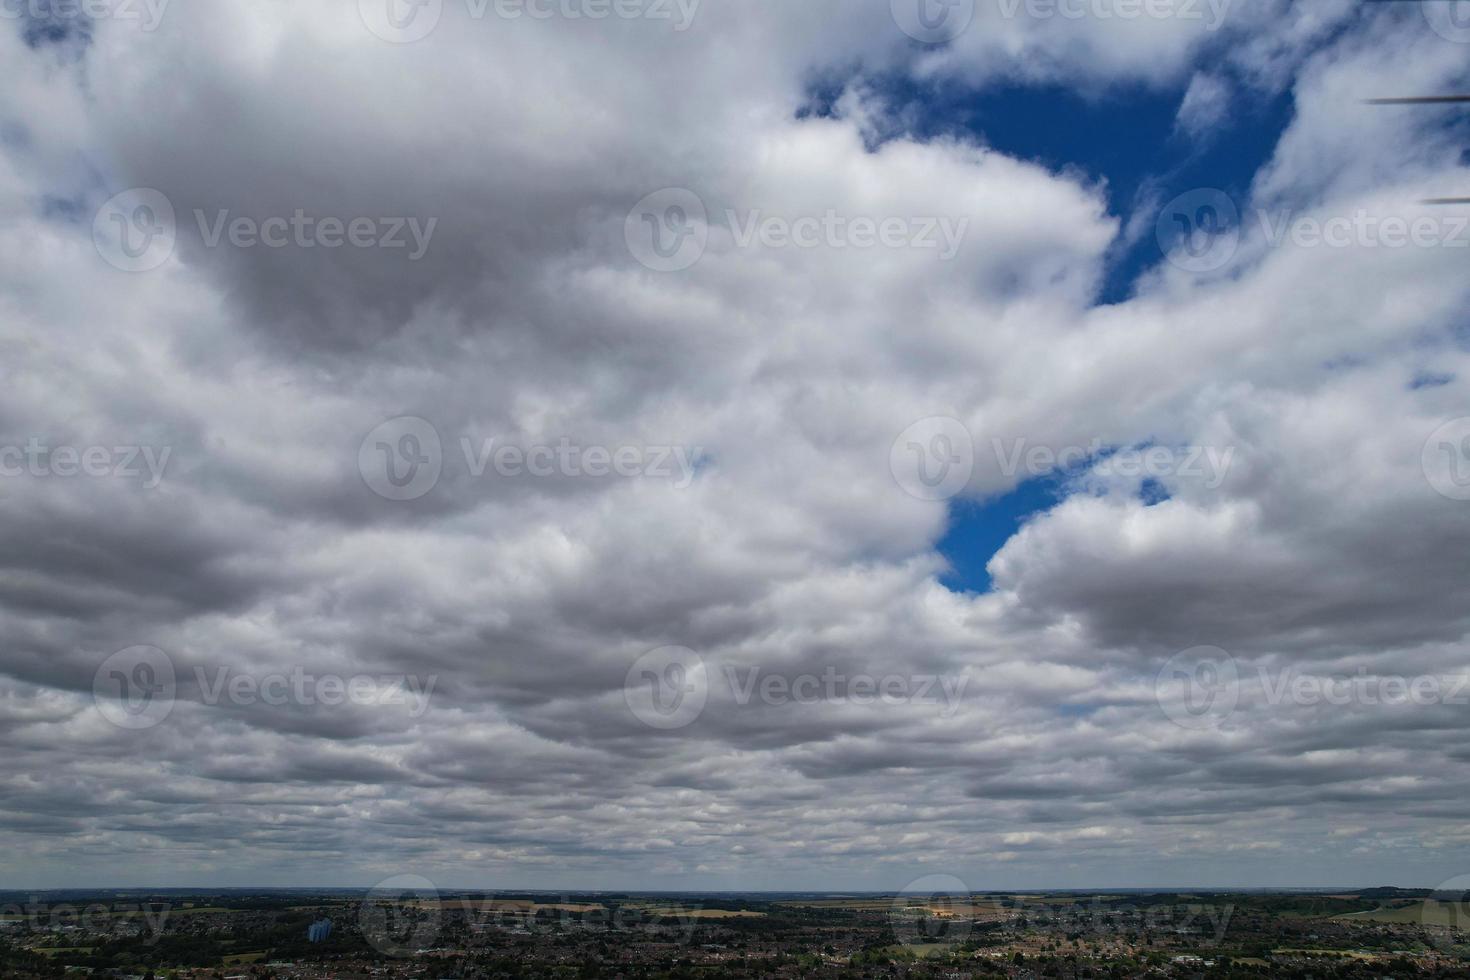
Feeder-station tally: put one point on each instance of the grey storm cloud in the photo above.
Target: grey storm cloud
(301, 609)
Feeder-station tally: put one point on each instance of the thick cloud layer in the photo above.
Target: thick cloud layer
(754, 382)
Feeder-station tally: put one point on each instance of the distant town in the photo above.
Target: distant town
(341, 934)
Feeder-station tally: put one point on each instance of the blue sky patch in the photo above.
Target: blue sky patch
(1125, 137)
(978, 529)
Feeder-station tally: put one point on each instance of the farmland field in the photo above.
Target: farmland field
(697, 913)
(1427, 912)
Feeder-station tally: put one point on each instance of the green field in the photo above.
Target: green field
(1350, 954)
(683, 911)
(921, 951)
(1427, 912)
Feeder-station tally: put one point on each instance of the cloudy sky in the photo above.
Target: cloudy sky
(733, 444)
